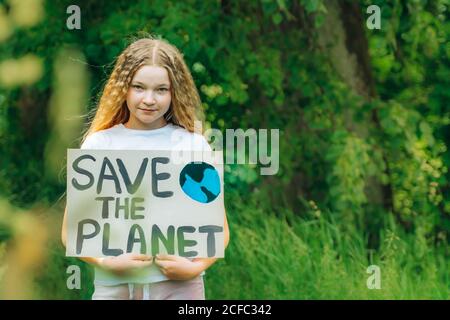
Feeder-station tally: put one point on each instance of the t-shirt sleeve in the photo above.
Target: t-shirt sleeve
(206, 145)
(94, 141)
(201, 143)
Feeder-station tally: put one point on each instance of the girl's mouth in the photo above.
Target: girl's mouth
(148, 110)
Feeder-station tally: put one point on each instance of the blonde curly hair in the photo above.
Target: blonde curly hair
(185, 106)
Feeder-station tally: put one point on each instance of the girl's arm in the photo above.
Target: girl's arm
(179, 268)
(93, 261)
(205, 263)
(119, 265)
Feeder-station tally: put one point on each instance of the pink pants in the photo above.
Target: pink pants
(164, 290)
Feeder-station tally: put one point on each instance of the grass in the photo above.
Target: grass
(283, 256)
(290, 258)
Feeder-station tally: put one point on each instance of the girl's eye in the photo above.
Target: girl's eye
(163, 89)
(138, 87)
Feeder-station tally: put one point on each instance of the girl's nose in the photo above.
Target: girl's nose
(149, 98)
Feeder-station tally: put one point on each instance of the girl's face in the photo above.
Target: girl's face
(148, 98)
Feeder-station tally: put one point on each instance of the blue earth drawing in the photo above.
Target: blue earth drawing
(200, 181)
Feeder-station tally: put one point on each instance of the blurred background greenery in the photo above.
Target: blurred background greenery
(364, 123)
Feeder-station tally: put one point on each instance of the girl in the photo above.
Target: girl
(149, 98)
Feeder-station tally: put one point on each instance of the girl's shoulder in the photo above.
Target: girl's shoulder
(169, 137)
(103, 139)
(97, 140)
(184, 139)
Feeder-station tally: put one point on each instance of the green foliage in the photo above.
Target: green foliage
(349, 162)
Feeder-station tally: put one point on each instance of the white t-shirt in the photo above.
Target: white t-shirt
(119, 137)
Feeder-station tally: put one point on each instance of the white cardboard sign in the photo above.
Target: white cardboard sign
(145, 201)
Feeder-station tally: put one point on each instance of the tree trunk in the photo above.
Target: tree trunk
(344, 36)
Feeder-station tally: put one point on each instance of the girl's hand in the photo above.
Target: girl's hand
(125, 263)
(178, 268)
